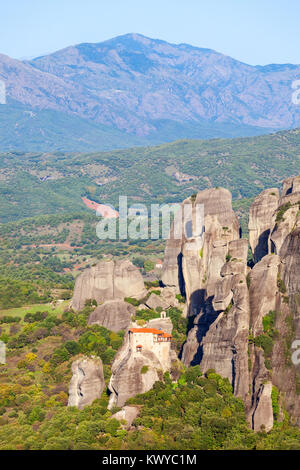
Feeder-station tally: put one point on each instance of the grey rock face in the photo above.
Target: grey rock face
(108, 280)
(263, 290)
(228, 307)
(87, 383)
(285, 374)
(115, 315)
(193, 263)
(166, 299)
(265, 296)
(155, 301)
(260, 221)
(263, 412)
(170, 275)
(219, 339)
(128, 381)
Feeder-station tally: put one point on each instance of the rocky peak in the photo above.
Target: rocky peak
(108, 280)
(243, 316)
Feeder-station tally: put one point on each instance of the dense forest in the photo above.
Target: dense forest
(46, 183)
(195, 412)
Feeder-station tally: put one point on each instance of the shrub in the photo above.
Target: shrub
(132, 301)
(72, 347)
(281, 286)
(180, 298)
(148, 266)
(275, 402)
(281, 212)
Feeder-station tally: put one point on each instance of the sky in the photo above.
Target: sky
(257, 32)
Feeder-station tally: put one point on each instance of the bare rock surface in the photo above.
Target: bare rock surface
(115, 315)
(262, 418)
(127, 379)
(229, 300)
(260, 221)
(193, 263)
(108, 280)
(155, 301)
(128, 414)
(87, 383)
(263, 290)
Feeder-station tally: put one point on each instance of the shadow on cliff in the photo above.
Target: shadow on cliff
(181, 281)
(261, 248)
(204, 316)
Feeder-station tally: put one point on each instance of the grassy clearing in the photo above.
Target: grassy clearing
(21, 311)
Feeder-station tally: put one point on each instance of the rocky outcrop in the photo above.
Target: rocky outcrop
(285, 374)
(290, 186)
(229, 301)
(135, 372)
(156, 301)
(127, 414)
(166, 299)
(274, 289)
(128, 380)
(263, 291)
(87, 383)
(219, 339)
(283, 226)
(213, 268)
(171, 275)
(260, 221)
(193, 263)
(115, 315)
(108, 280)
(262, 418)
(290, 255)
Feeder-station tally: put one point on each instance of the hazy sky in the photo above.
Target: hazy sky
(253, 31)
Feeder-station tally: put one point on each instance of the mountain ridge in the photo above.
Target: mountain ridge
(132, 84)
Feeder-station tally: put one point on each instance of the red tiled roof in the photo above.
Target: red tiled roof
(154, 331)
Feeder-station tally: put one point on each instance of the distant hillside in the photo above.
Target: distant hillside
(146, 90)
(45, 183)
(26, 129)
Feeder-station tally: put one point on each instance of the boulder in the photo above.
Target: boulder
(156, 301)
(128, 414)
(115, 315)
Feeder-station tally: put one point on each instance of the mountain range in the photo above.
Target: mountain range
(133, 90)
